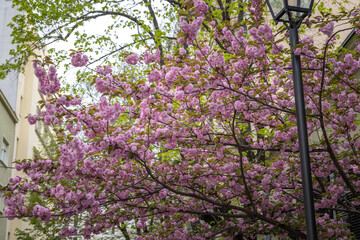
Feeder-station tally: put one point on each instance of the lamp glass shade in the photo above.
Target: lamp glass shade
(299, 3)
(290, 11)
(276, 6)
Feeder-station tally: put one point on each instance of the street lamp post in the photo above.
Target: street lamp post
(291, 13)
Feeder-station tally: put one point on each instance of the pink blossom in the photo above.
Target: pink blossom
(42, 212)
(132, 59)
(297, 51)
(10, 213)
(163, 193)
(238, 105)
(48, 82)
(67, 232)
(152, 57)
(216, 60)
(308, 22)
(105, 70)
(267, 31)
(275, 49)
(263, 31)
(348, 65)
(33, 118)
(182, 51)
(79, 60)
(154, 76)
(327, 29)
(191, 28)
(171, 75)
(179, 95)
(201, 7)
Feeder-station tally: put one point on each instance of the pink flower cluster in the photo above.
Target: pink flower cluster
(348, 65)
(276, 49)
(32, 118)
(48, 82)
(154, 76)
(109, 112)
(255, 9)
(67, 232)
(261, 33)
(71, 153)
(179, 95)
(155, 57)
(327, 29)
(104, 71)
(216, 59)
(201, 7)
(42, 212)
(16, 200)
(190, 29)
(107, 84)
(79, 60)
(132, 59)
(171, 75)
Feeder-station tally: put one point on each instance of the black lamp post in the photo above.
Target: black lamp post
(291, 13)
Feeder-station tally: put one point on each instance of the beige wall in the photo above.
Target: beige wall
(8, 122)
(26, 136)
(321, 38)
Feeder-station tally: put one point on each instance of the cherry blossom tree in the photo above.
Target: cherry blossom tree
(203, 144)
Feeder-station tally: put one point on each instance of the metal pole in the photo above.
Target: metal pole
(303, 139)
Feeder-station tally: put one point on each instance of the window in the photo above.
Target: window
(4, 151)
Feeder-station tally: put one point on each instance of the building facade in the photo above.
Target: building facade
(8, 102)
(18, 97)
(8, 121)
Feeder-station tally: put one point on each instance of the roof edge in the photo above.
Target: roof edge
(351, 34)
(8, 108)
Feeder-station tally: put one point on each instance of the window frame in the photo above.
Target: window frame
(4, 152)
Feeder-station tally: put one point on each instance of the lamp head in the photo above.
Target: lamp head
(290, 11)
